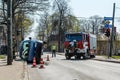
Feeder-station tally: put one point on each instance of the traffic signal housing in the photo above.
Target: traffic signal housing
(5, 0)
(107, 33)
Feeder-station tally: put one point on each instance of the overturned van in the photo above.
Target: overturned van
(30, 49)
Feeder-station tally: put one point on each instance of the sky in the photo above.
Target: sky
(33, 27)
(87, 8)
(102, 8)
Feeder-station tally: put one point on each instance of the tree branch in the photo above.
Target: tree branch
(2, 9)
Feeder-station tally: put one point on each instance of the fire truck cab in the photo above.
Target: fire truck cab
(80, 44)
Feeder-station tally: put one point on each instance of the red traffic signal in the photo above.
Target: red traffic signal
(107, 33)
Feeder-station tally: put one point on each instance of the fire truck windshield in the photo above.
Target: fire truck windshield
(71, 37)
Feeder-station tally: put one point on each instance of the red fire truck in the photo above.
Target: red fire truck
(80, 45)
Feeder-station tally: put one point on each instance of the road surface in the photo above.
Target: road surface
(59, 68)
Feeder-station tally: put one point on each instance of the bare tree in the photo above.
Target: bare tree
(95, 23)
(85, 25)
(61, 7)
(91, 24)
(43, 24)
(24, 6)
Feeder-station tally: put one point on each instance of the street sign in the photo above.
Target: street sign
(108, 18)
(108, 26)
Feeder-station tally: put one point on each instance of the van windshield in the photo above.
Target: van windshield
(25, 45)
(71, 37)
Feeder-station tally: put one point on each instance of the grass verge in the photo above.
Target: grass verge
(116, 57)
(2, 56)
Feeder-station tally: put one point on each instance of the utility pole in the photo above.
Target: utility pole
(112, 34)
(9, 33)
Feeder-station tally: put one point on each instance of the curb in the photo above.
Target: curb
(25, 71)
(107, 60)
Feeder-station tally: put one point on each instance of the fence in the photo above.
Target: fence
(103, 47)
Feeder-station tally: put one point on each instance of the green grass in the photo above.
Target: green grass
(2, 56)
(116, 57)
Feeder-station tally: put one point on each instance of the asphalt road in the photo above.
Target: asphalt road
(61, 69)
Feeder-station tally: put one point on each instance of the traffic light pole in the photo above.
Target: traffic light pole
(9, 33)
(112, 34)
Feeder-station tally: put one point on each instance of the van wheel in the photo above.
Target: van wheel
(68, 57)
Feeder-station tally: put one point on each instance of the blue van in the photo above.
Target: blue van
(30, 49)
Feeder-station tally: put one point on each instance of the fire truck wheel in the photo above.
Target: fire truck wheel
(84, 57)
(77, 57)
(68, 57)
(92, 56)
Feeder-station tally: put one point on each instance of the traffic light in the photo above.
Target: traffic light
(5, 0)
(107, 33)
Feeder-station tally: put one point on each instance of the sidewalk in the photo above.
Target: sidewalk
(16, 71)
(106, 59)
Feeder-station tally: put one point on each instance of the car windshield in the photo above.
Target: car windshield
(71, 37)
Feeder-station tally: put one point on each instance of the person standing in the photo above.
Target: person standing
(53, 49)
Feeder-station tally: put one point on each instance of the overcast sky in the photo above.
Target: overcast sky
(103, 8)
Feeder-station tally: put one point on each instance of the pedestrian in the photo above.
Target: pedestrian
(53, 49)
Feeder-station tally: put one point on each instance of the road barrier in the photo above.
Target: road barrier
(41, 64)
(34, 62)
